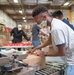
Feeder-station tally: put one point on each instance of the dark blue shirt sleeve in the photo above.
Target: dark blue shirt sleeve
(68, 23)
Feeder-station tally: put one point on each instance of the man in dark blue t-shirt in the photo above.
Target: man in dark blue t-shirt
(35, 34)
(58, 14)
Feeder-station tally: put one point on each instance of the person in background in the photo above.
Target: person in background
(62, 38)
(35, 34)
(59, 15)
(16, 35)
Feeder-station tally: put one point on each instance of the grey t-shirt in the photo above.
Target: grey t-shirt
(35, 32)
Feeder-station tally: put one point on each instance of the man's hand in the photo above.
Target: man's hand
(40, 53)
(31, 51)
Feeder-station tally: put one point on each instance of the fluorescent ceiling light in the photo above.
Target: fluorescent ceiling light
(20, 11)
(16, 1)
(24, 20)
(23, 17)
(67, 3)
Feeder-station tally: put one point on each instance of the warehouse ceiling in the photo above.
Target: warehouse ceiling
(20, 10)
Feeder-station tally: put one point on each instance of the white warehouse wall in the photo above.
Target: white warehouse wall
(65, 13)
(6, 20)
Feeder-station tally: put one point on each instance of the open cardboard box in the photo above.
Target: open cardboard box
(33, 60)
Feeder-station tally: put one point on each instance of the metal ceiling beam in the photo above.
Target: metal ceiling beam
(9, 7)
(32, 7)
(22, 7)
(15, 14)
(22, 19)
(11, 15)
(19, 21)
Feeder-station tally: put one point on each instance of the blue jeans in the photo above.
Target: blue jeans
(36, 43)
(69, 70)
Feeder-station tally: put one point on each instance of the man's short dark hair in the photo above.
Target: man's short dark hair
(57, 13)
(39, 9)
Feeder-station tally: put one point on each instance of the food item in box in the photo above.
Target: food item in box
(33, 60)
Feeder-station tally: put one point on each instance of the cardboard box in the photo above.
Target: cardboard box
(33, 60)
(1, 43)
(3, 40)
(48, 49)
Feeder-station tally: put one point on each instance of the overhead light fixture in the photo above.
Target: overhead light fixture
(23, 17)
(20, 11)
(67, 3)
(24, 20)
(15, 1)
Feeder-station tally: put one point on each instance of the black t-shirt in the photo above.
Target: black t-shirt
(35, 32)
(17, 35)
